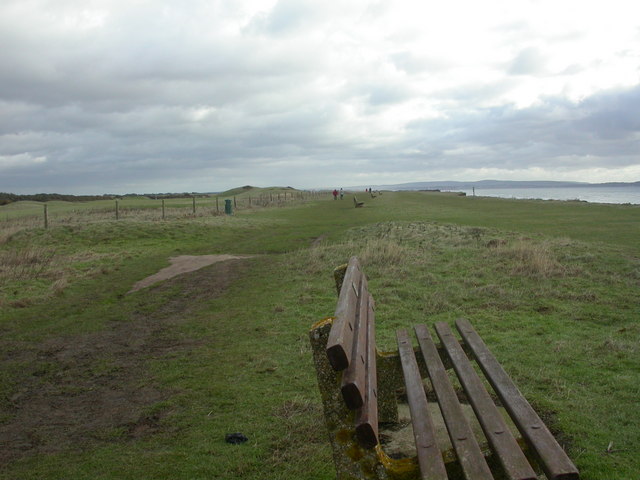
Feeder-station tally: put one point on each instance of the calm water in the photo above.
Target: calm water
(629, 194)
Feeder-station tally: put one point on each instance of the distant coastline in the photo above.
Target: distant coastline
(493, 184)
(592, 194)
(610, 192)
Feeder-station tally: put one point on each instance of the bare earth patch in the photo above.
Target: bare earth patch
(74, 392)
(183, 264)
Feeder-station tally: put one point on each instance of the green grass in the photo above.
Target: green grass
(551, 286)
(62, 212)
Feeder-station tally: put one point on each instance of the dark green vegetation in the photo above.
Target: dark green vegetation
(6, 198)
(98, 383)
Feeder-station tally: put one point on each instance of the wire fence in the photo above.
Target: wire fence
(137, 209)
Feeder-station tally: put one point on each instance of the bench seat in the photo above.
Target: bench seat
(359, 386)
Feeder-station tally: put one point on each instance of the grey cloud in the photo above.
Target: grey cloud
(290, 16)
(528, 62)
(151, 98)
(612, 115)
(412, 63)
(124, 64)
(605, 125)
(471, 96)
(154, 143)
(381, 94)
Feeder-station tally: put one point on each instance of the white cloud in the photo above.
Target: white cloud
(20, 160)
(528, 62)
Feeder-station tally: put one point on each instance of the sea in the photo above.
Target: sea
(593, 194)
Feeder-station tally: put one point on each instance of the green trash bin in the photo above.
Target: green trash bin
(228, 209)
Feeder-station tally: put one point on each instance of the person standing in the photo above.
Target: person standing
(335, 194)
(341, 193)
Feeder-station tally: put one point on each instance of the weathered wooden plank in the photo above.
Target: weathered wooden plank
(429, 455)
(462, 437)
(502, 441)
(340, 341)
(554, 461)
(354, 377)
(367, 416)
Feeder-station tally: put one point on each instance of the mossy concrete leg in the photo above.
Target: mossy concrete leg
(338, 276)
(351, 460)
(389, 380)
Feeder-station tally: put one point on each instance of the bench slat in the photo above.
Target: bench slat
(555, 462)
(502, 441)
(353, 379)
(462, 437)
(340, 341)
(367, 416)
(429, 455)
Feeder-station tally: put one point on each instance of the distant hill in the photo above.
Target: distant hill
(256, 190)
(238, 190)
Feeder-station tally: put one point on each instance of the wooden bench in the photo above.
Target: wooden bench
(359, 388)
(356, 203)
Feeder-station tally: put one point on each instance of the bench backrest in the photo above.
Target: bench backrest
(351, 348)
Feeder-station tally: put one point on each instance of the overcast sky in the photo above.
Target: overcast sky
(119, 96)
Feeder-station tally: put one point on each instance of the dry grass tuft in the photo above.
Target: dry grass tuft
(7, 233)
(25, 263)
(31, 274)
(532, 259)
(57, 288)
(382, 252)
(296, 406)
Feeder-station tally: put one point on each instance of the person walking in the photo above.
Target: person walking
(341, 193)
(335, 194)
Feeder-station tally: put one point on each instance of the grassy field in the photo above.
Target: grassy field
(63, 212)
(96, 382)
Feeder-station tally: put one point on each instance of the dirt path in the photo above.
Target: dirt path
(78, 391)
(183, 264)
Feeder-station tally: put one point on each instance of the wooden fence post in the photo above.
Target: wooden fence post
(194, 205)
(46, 217)
(235, 204)
(117, 211)
(217, 205)
(163, 208)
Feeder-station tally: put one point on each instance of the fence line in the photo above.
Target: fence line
(145, 212)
